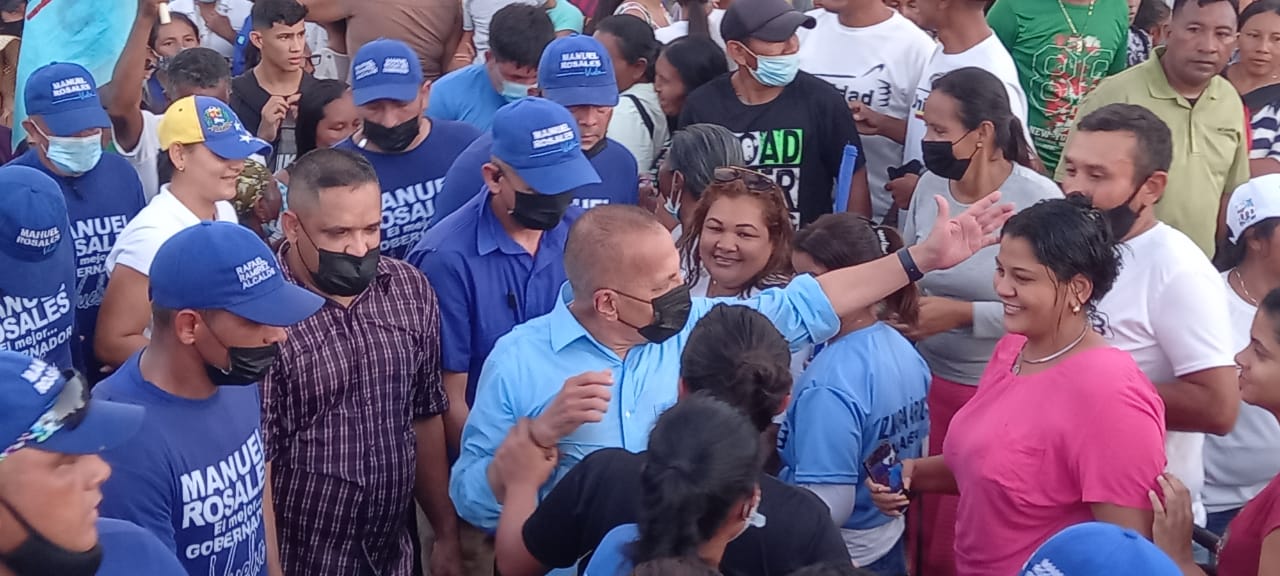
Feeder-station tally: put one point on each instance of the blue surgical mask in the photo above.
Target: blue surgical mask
(74, 155)
(512, 91)
(776, 71)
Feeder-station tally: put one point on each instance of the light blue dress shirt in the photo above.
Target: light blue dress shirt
(528, 367)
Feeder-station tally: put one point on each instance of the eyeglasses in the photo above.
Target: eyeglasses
(68, 411)
(315, 59)
(754, 181)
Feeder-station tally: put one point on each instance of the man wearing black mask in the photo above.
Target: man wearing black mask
(1168, 308)
(410, 152)
(352, 409)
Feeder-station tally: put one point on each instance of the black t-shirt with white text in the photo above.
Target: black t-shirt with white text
(798, 138)
(247, 99)
(603, 492)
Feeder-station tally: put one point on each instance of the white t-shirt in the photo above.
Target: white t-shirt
(1168, 309)
(882, 73)
(145, 155)
(1239, 465)
(990, 55)
(235, 10)
(160, 220)
(627, 126)
(476, 16)
(669, 34)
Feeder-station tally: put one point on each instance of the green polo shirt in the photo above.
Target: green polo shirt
(1210, 144)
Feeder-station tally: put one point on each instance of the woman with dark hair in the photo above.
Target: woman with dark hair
(1063, 429)
(865, 377)
(637, 121)
(1239, 465)
(973, 145)
(740, 240)
(733, 354)
(165, 42)
(326, 116)
(688, 168)
(1256, 75)
(682, 67)
(652, 12)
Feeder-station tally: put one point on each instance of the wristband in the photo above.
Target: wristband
(909, 266)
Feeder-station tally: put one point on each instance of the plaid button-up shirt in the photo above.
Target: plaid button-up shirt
(338, 411)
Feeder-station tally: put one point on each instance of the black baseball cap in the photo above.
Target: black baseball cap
(767, 20)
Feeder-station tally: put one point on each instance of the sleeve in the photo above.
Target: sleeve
(1239, 173)
(1265, 141)
(1121, 59)
(137, 249)
(556, 533)
(429, 398)
(1198, 337)
(826, 436)
(468, 23)
(140, 488)
(140, 152)
(800, 311)
(492, 416)
(274, 420)
(1118, 455)
(988, 319)
(440, 105)
(446, 277)
(1003, 20)
(249, 117)
(839, 499)
(919, 210)
(629, 130)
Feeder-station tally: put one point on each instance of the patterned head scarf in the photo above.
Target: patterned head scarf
(251, 185)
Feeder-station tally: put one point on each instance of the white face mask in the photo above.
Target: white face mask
(754, 518)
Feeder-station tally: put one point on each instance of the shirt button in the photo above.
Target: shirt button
(626, 414)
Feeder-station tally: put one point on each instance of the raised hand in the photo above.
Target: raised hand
(954, 240)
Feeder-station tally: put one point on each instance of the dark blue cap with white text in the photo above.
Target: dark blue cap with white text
(539, 139)
(66, 97)
(577, 71)
(36, 253)
(385, 70)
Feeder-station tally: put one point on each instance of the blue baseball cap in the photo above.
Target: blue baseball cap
(539, 139)
(577, 71)
(35, 235)
(1099, 549)
(44, 408)
(66, 97)
(224, 266)
(209, 121)
(385, 70)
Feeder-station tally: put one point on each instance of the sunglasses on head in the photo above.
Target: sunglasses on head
(753, 180)
(68, 411)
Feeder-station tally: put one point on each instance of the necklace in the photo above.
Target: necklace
(1076, 42)
(1240, 280)
(1017, 366)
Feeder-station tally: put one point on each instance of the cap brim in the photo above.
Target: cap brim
(26, 279)
(783, 27)
(395, 91)
(560, 178)
(106, 425)
(581, 96)
(287, 305)
(238, 146)
(72, 122)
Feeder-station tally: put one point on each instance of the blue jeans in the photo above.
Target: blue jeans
(1218, 521)
(893, 563)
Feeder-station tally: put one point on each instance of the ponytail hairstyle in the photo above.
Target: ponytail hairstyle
(982, 97)
(1232, 254)
(703, 461)
(635, 40)
(695, 13)
(735, 354)
(842, 240)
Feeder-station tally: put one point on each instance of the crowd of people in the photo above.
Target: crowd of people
(652, 287)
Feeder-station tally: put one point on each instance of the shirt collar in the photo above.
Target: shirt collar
(381, 277)
(491, 236)
(565, 328)
(1158, 83)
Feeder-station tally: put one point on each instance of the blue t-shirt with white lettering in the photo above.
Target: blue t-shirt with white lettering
(862, 389)
(411, 182)
(42, 327)
(466, 95)
(100, 203)
(619, 180)
(193, 474)
(610, 557)
(128, 550)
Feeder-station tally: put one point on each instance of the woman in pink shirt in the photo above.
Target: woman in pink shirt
(1063, 429)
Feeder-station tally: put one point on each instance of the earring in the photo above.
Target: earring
(1075, 309)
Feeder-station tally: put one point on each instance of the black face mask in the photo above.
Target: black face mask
(248, 365)
(670, 314)
(940, 158)
(341, 274)
(1121, 218)
(395, 138)
(37, 556)
(541, 211)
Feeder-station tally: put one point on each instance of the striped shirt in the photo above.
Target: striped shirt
(338, 411)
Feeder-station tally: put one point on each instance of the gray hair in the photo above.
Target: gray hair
(698, 149)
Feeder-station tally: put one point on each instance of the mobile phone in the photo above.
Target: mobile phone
(884, 468)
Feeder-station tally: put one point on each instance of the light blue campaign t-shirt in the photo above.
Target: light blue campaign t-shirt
(619, 180)
(864, 388)
(411, 182)
(100, 203)
(466, 95)
(193, 474)
(610, 557)
(128, 550)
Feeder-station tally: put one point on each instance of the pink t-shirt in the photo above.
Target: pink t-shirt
(1242, 545)
(1030, 453)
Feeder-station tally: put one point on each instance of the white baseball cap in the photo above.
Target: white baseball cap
(1253, 202)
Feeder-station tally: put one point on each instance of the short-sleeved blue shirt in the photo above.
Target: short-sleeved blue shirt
(485, 282)
(619, 180)
(128, 550)
(466, 95)
(610, 557)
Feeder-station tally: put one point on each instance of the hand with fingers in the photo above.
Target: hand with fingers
(902, 189)
(889, 502)
(274, 112)
(583, 399)
(1171, 530)
(954, 240)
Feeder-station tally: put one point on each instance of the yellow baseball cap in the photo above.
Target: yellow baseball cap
(209, 121)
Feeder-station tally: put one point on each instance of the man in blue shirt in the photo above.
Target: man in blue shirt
(499, 260)
(615, 336)
(51, 478)
(101, 189)
(37, 267)
(517, 35)
(196, 474)
(409, 151)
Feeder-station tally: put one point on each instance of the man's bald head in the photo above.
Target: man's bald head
(604, 242)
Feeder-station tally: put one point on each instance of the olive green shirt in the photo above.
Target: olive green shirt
(1210, 144)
